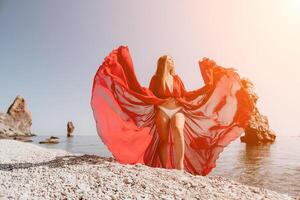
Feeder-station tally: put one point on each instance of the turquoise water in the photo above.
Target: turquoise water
(276, 166)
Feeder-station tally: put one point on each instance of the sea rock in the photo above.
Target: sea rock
(70, 129)
(17, 121)
(51, 140)
(258, 130)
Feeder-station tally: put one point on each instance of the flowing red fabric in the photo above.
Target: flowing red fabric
(124, 111)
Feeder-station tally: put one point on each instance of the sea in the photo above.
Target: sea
(275, 166)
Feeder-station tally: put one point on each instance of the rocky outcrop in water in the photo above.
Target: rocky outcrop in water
(258, 130)
(17, 121)
(70, 129)
(51, 140)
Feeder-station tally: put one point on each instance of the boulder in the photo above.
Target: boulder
(70, 129)
(17, 121)
(51, 140)
(258, 130)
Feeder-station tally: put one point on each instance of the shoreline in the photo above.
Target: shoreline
(39, 172)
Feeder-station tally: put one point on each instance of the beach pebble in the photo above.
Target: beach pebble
(40, 173)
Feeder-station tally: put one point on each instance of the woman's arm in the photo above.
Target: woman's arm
(190, 95)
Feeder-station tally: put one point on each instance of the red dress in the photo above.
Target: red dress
(124, 111)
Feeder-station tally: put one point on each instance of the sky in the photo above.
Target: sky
(51, 49)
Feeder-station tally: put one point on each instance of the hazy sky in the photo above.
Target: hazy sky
(50, 51)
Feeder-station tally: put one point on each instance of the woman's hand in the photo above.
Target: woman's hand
(214, 63)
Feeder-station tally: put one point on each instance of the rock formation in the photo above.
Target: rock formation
(17, 121)
(70, 129)
(51, 140)
(258, 130)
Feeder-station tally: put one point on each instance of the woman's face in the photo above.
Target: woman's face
(169, 62)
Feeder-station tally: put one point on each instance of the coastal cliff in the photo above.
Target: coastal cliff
(258, 130)
(17, 120)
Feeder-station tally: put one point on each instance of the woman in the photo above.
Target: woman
(165, 125)
(168, 115)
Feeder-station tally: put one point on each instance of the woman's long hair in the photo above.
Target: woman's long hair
(162, 71)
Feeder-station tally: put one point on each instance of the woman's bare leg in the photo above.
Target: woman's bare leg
(177, 125)
(162, 123)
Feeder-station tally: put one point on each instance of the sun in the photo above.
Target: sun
(293, 7)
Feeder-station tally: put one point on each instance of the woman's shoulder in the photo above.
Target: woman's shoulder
(177, 77)
(153, 81)
(153, 77)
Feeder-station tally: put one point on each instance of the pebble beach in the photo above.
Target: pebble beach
(28, 171)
